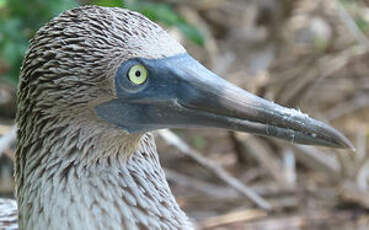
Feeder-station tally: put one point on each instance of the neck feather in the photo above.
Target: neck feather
(86, 179)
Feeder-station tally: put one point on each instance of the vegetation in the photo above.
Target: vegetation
(20, 19)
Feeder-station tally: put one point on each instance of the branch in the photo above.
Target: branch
(351, 25)
(262, 153)
(213, 190)
(172, 139)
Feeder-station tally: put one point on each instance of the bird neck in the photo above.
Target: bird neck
(84, 180)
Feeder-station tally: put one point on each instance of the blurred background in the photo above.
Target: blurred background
(309, 55)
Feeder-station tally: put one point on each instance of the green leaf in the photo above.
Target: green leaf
(2, 3)
(21, 19)
(362, 24)
(108, 3)
(192, 33)
(11, 79)
(199, 142)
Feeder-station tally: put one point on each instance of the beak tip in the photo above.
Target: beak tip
(348, 145)
(345, 143)
(333, 137)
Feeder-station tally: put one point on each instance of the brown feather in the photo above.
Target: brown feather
(73, 170)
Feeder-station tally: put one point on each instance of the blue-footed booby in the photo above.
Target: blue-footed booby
(94, 83)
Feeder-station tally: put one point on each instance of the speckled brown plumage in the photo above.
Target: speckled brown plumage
(73, 170)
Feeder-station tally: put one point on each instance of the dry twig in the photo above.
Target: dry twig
(202, 186)
(237, 216)
(172, 139)
(315, 219)
(346, 107)
(262, 154)
(352, 26)
(317, 160)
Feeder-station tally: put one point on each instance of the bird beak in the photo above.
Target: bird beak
(182, 93)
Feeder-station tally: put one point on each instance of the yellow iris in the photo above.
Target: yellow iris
(137, 74)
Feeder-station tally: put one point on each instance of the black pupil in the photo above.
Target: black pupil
(138, 73)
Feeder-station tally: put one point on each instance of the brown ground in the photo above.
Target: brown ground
(300, 53)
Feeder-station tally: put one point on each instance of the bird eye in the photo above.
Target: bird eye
(137, 74)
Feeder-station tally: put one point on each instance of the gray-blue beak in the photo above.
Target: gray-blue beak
(181, 93)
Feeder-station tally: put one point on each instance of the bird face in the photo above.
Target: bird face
(139, 79)
(179, 92)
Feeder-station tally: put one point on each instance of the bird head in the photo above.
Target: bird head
(115, 67)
